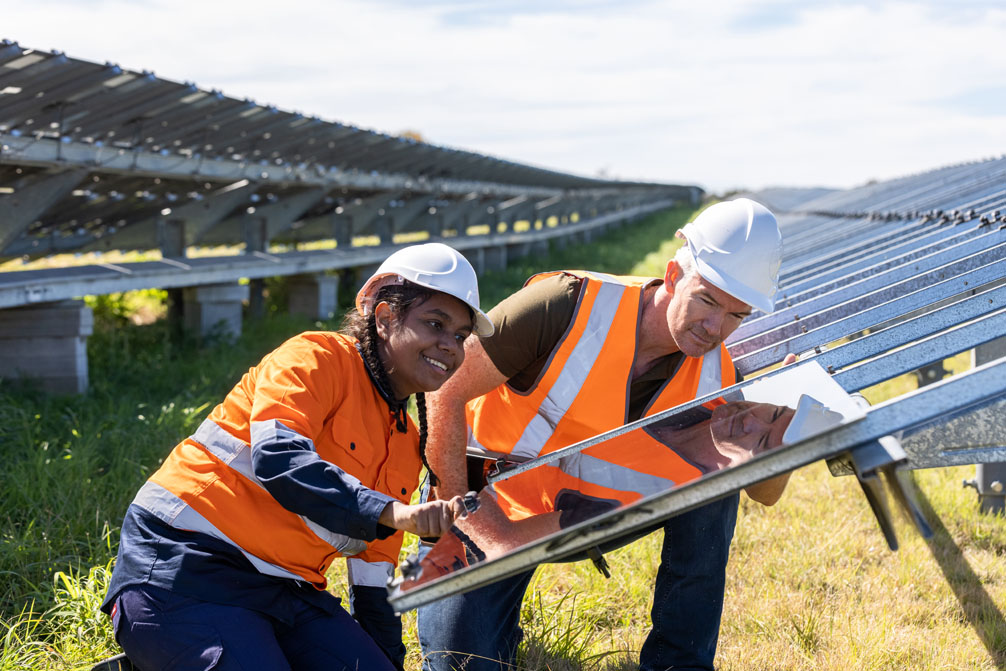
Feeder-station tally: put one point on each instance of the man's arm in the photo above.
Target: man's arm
(447, 433)
(770, 491)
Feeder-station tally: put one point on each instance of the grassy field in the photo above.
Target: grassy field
(811, 584)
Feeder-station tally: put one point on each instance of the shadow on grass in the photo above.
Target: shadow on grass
(977, 606)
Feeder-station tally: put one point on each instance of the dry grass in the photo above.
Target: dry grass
(811, 585)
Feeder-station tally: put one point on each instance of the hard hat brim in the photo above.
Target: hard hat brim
(810, 419)
(737, 289)
(483, 327)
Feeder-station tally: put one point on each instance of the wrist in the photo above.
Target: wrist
(391, 514)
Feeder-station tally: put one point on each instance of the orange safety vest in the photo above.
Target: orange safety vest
(582, 392)
(316, 386)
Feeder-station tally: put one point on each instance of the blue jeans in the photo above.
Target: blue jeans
(161, 630)
(480, 630)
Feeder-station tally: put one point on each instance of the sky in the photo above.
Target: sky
(727, 95)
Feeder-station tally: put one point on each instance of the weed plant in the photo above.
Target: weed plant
(810, 584)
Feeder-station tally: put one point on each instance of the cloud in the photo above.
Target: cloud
(721, 94)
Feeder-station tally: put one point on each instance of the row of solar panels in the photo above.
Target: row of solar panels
(95, 157)
(50, 95)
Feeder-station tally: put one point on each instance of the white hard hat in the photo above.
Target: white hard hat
(811, 418)
(435, 266)
(737, 247)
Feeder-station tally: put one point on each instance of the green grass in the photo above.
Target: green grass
(810, 585)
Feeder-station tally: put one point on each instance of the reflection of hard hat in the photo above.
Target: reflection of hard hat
(737, 247)
(812, 418)
(435, 266)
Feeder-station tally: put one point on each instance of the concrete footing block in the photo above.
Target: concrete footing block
(314, 296)
(47, 343)
(215, 308)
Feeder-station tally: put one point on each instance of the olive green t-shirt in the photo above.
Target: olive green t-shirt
(530, 324)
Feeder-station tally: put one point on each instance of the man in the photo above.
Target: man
(577, 354)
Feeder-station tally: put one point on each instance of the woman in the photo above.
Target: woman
(223, 552)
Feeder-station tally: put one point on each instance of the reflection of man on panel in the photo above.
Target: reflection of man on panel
(734, 433)
(657, 458)
(580, 353)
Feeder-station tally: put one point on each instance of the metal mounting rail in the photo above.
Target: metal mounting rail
(931, 321)
(974, 436)
(878, 288)
(924, 352)
(896, 265)
(853, 316)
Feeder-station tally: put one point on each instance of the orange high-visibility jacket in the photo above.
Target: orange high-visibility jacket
(315, 390)
(583, 391)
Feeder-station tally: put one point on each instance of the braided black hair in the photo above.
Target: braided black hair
(400, 298)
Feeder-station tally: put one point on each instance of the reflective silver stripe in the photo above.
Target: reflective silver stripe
(217, 440)
(369, 574)
(273, 430)
(613, 476)
(474, 446)
(573, 374)
(237, 455)
(711, 375)
(173, 511)
(605, 277)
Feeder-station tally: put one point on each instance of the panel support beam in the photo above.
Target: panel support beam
(29, 201)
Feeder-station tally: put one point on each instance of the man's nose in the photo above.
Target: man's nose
(713, 322)
(752, 422)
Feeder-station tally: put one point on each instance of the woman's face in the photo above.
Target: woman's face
(423, 347)
(754, 427)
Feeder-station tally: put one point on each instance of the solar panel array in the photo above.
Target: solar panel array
(94, 156)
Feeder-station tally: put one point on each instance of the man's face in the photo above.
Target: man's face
(752, 427)
(701, 316)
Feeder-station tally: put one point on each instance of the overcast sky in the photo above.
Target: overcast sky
(721, 94)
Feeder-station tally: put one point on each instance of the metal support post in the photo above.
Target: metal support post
(171, 238)
(256, 238)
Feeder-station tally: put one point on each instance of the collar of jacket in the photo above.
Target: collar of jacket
(397, 406)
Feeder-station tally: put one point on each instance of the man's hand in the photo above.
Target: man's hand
(423, 519)
(770, 491)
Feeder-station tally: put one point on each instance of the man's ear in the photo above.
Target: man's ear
(671, 275)
(383, 316)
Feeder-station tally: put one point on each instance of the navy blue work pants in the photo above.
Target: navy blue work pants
(160, 630)
(480, 630)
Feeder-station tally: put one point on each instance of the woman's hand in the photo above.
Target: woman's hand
(423, 519)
